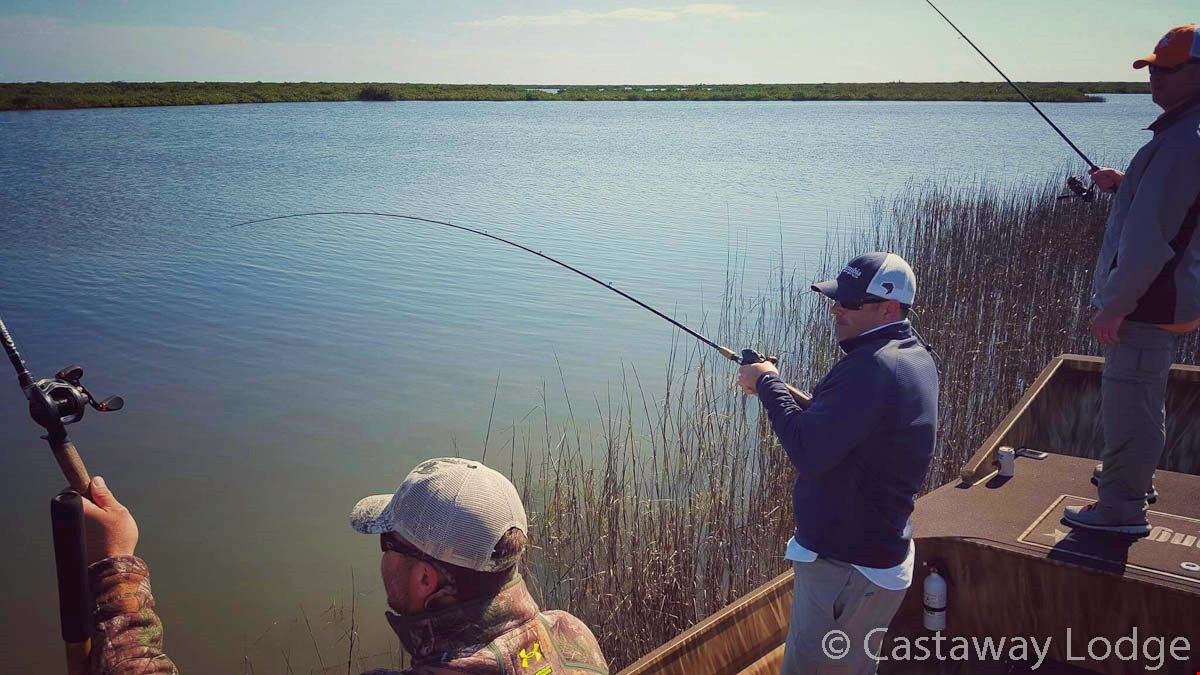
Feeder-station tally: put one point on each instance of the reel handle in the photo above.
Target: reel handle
(802, 399)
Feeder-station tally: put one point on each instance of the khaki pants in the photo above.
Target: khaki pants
(828, 595)
(1133, 414)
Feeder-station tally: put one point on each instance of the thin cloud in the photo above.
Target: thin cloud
(577, 17)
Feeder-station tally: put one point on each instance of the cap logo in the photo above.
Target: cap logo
(888, 286)
(1162, 44)
(852, 271)
(426, 468)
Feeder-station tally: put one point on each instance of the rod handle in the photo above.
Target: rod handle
(750, 356)
(69, 461)
(79, 657)
(801, 398)
(74, 597)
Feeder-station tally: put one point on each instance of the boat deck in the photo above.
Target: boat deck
(1023, 514)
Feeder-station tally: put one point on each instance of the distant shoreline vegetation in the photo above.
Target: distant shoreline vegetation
(67, 95)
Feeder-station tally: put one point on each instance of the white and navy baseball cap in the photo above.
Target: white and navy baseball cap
(453, 510)
(879, 275)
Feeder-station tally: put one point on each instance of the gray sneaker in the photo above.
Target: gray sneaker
(1104, 519)
(1151, 494)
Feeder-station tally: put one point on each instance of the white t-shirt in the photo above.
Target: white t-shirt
(896, 578)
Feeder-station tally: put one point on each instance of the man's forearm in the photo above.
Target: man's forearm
(127, 638)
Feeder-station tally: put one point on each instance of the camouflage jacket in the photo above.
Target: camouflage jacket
(505, 634)
(127, 638)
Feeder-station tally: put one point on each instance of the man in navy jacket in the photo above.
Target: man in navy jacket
(861, 452)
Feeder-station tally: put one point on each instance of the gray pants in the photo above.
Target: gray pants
(1134, 416)
(828, 595)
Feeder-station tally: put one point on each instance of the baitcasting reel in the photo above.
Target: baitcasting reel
(750, 356)
(58, 401)
(61, 400)
(54, 403)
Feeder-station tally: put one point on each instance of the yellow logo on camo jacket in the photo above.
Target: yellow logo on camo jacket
(534, 653)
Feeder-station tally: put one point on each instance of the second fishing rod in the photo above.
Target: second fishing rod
(746, 356)
(1074, 182)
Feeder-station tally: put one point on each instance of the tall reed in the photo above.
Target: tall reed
(683, 503)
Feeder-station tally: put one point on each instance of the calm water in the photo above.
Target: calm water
(274, 374)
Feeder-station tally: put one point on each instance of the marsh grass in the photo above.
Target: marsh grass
(63, 95)
(323, 642)
(682, 503)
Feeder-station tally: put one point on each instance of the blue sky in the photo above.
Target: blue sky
(577, 41)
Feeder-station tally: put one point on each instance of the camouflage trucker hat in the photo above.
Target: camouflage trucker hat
(453, 510)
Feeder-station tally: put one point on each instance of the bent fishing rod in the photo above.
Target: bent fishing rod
(747, 356)
(1074, 183)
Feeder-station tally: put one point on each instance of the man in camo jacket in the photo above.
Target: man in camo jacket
(451, 536)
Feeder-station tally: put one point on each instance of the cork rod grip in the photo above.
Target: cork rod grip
(802, 399)
(71, 465)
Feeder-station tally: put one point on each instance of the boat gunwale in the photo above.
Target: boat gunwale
(982, 463)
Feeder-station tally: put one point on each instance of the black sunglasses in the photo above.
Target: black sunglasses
(391, 543)
(388, 543)
(1167, 70)
(854, 305)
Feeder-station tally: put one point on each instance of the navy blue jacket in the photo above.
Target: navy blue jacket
(861, 450)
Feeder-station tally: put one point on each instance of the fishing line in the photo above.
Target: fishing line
(915, 320)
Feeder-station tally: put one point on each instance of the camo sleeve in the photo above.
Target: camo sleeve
(127, 637)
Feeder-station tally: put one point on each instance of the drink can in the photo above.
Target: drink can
(1008, 459)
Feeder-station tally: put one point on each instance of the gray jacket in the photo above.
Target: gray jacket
(1149, 265)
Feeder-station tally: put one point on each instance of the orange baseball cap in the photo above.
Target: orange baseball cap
(1180, 45)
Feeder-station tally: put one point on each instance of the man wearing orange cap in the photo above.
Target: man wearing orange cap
(1146, 287)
